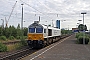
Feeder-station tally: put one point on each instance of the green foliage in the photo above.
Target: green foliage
(6, 32)
(66, 31)
(25, 31)
(18, 37)
(13, 31)
(1, 32)
(2, 38)
(24, 42)
(18, 27)
(18, 46)
(3, 47)
(15, 46)
(11, 38)
(79, 34)
(10, 31)
(89, 42)
(80, 39)
(25, 37)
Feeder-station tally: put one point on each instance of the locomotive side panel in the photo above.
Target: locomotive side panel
(56, 32)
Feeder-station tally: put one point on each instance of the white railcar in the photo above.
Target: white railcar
(51, 31)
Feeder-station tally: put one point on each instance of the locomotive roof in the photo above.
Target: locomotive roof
(35, 25)
(42, 26)
(50, 27)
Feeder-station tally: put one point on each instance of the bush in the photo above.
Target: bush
(80, 39)
(18, 37)
(3, 38)
(11, 37)
(3, 47)
(23, 42)
(79, 34)
(25, 37)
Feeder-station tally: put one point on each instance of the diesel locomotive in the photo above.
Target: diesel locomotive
(42, 35)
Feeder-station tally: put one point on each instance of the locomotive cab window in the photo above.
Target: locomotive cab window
(39, 30)
(31, 30)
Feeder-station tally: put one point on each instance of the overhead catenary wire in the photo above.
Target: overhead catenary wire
(31, 6)
(44, 5)
(34, 8)
(39, 11)
(48, 14)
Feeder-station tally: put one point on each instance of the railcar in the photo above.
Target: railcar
(42, 35)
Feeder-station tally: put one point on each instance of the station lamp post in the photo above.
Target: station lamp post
(22, 22)
(83, 28)
(22, 18)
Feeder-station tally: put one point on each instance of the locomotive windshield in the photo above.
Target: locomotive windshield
(39, 30)
(31, 30)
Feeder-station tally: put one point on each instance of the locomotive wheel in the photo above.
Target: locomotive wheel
(50, 41)
(45, 43)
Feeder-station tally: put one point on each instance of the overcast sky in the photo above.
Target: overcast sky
(69, 10)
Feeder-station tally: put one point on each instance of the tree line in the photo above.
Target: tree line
(12, 31)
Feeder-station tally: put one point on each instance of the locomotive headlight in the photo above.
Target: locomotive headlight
(30, 42)
(40, 38)
(29, 37)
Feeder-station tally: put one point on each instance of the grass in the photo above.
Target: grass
(14, 47)
(89, 42)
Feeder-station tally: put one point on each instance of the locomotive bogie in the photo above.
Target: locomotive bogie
(35, 43)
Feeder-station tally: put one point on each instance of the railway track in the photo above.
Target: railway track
(20, 53)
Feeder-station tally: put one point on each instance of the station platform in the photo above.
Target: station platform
(65, 49)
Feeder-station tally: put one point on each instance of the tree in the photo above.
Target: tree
(6, 32)
(0, 31)
(25, 30)
(82, 27)
(18, 27)
(18, 30)
(13, 31)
